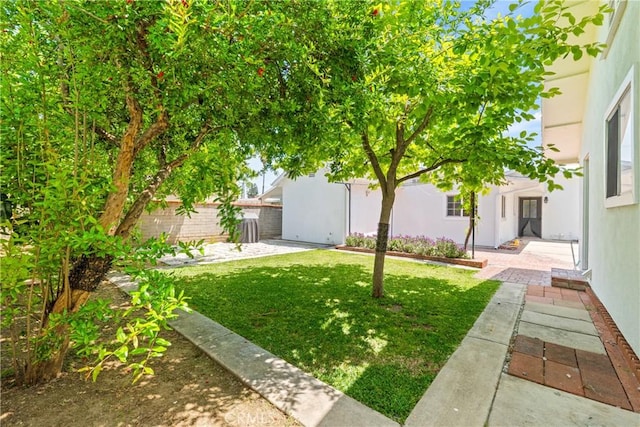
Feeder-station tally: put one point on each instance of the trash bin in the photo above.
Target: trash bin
(249, 230)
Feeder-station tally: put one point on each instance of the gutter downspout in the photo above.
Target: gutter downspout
(348, 187)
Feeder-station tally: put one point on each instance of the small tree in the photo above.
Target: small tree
(106, 106)
(252, 190)
(428, 90)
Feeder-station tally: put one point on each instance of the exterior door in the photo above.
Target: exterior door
(530, 217)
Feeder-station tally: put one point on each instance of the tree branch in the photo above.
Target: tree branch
(484, 107)
(122, 174)
(371, 155)
(433, 167)
(109, 137)
(153, 131)
(400, 142)
(136, 210)
(421, 127)
(143, 47)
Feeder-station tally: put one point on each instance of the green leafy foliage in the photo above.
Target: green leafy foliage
(137, 341)
(107, 106)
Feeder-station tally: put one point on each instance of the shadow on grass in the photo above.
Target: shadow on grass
(321, 318)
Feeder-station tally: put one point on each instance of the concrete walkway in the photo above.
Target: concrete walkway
(476, 387)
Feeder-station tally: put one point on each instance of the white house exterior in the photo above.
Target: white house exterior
(596, 121)
(315, 210)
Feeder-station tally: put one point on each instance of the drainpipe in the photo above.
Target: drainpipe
(348, 187)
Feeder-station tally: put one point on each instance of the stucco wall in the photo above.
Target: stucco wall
(614, 233)
(422, 210)
(365, 209)
(561, 214)
(419, 210)
(314, 210)
(318, 211)
(507, 226)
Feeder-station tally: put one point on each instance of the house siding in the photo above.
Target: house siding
(614, 233)
(314, 210)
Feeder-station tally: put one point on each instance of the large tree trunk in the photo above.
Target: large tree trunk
(382, 239)
(38, 371)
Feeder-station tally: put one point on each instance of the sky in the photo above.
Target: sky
(500, 7)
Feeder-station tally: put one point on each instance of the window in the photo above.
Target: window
(614, 18)
(617, 7)
(454, 207)
(530, 208)
(503, 207)
(620, 168)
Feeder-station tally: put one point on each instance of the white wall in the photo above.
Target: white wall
(561, 215)
(365, 208)
(614, 233)
(507, 226)
(419, 209)
(314, 210)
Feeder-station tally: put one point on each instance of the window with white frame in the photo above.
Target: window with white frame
(620, 167)
(503, 206)
(455, 206)
(614, 17)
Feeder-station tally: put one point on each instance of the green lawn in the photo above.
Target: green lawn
(314, 310)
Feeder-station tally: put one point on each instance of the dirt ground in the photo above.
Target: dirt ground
(189, 389)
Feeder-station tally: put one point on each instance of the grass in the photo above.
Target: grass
(314, 309)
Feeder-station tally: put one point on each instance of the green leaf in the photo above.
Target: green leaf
(120, 335)
(96, 371)
(122, 353)
(138, 351)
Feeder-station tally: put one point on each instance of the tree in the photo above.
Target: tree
(251, 189)
(106, 106)
(419, 90)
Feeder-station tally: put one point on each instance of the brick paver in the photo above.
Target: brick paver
(598, 363)
(605, 378)
(604, 388)
(563, 377)
(560, 354)
(531, 346)
(527, 367)
(575, 371)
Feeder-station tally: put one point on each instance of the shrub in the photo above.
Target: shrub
(420, 245)
(448, 248)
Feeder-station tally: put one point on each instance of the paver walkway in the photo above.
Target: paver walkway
(557, 344)
(529, 265)
(560, 347)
